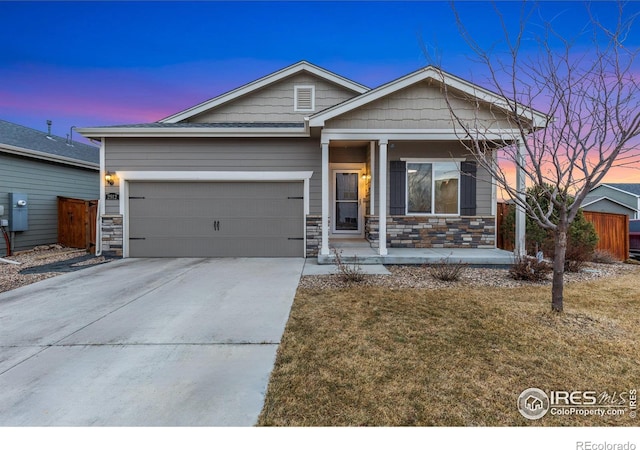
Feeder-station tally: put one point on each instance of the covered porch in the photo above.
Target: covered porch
(370, 187)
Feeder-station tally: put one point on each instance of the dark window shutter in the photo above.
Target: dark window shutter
(468, 171)
(397, 187)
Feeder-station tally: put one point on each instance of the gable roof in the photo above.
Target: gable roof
(24, 141)
(430, 72)
(589, 201)
(302, 66)
(627, 188)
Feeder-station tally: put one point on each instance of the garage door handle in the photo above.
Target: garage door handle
(216, 225)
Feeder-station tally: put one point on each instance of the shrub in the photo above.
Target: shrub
(348, 273)
(577, 258)
(603, 257)
(529, 269)
(446, 271)
(581, 237)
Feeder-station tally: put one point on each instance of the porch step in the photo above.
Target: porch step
(474, 257)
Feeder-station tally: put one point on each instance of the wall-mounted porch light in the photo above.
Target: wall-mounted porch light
(109, 178)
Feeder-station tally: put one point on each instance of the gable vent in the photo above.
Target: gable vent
(304, 98)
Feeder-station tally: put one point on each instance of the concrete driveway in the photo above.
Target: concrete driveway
(145, 342)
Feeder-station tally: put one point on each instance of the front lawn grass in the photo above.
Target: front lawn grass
(451, 357)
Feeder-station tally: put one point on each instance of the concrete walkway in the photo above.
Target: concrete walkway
(145, 342)
(311, 267)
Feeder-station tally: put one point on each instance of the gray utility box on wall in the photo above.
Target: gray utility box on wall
(18, 212)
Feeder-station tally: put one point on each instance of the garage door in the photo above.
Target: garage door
(216, 219)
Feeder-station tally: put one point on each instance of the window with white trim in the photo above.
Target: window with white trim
(433, 188)
(304, 98)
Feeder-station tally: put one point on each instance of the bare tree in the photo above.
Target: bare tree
(591, 101)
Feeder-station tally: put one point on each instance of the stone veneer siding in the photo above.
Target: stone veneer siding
(434, 231)
(111, 235)
(314, 235)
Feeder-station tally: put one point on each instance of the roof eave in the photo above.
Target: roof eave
(11, 149)
(539, 120)
(599, 199)
(617, 189)
(98, 133)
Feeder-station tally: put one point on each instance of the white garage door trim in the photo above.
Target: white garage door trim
(126, 176)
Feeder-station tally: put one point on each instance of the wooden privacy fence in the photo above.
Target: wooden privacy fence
(77, 223)
(612, 230)
(504, 242)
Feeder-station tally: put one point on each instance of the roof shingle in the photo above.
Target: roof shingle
(633, 188)
(30, 139)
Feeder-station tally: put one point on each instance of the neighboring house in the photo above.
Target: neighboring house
(618, 198)
(42, 167)
(287, 163)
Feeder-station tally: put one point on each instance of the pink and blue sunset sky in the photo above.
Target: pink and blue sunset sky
(107, 63)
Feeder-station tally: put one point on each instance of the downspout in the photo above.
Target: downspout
(101, 206)
(306, 126)
(7, 241)
(99, 230)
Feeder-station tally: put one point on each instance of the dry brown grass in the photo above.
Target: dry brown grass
(451, 357)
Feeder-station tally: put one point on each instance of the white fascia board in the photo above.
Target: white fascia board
(599, 199)
(196, 175)
(539, 119)
(192, 132)
(617, 189)
(434, 134)
(6, 148)
(262, 82)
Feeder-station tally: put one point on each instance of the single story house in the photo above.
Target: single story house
(618, 198)
(37, 167)
(286, 164)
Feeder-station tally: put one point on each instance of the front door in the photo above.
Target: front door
(346, 205)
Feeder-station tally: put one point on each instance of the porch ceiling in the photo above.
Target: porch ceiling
(345, 143)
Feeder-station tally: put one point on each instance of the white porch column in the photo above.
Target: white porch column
(372, 184)
(324, 247)
(382, 208)
(521, 218)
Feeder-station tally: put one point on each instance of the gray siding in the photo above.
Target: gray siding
(43, 182)
(614, 194)
(275, 103)
(422, 105)
(483, 192)
(444, 149)
(178, 154)
(607, 206)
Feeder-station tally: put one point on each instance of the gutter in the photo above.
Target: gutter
(192, 132)
(6, 148)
